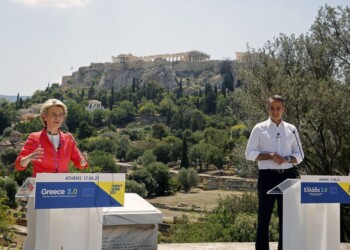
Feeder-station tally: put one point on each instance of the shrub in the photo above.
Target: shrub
(234, 219)
(244, 228)
(10, 187)
(188, 178)
(7, 219)
(135, 187)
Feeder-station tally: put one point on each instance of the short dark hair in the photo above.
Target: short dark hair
(276, 98)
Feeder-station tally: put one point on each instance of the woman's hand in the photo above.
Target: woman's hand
(37, 155)
(83, 159)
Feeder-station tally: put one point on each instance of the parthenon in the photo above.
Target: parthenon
(191, 56)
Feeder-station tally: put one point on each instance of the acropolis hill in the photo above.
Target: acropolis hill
(194, 68)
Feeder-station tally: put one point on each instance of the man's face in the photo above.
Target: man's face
(276, 110)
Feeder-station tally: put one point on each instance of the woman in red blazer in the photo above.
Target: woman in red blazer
(50, 151)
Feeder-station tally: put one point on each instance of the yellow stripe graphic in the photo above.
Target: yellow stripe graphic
(345, 186)
(115, 189)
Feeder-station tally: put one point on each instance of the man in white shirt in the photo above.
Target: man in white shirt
(274, 143)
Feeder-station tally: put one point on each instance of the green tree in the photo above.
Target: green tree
(169, 149)
(179, 91)
(29, 126)
(7, 220)
(198, 154)
(184, 156)
(159, 131)
(153, 91)
(7, 132)
(8, 115)
(76, 115)
(160, 172)
(103, 160)
(188, 178)
(122, 147)
(17, 101)
(209, 100)
(123, 113)
(135, 187)
(85, 130)
(175, 145)
(222, 105)
(102, 142)
(148, 108)
(98, 118)
(216, 156)
(148, 158)
(167, 108)
(10, 187)
(111, 98)
(133, 153)
(142, 175)
(194, 119)
(91, 92)
(21, 176)
(8, 156)
(162, 151)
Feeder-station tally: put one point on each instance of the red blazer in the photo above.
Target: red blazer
(53, 161)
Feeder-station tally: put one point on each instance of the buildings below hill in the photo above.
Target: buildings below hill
(12, 98)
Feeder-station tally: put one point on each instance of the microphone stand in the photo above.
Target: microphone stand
(75, 143)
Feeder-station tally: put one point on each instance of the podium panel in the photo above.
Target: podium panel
(61, 221)
(69, 229)
(64, 190)
(325, 189)
(307, 226)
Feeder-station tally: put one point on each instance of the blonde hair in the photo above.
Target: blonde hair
(49, 103)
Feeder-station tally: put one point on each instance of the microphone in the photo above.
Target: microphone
(54, 150)
(277, 135)
(301, 152)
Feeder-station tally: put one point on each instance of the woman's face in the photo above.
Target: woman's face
(54, 118)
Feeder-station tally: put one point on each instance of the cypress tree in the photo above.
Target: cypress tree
(184, 157)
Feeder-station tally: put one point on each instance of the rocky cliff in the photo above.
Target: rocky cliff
(194, 75)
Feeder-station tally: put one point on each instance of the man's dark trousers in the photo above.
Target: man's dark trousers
(267, 180)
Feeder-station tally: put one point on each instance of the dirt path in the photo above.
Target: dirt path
(197, 200)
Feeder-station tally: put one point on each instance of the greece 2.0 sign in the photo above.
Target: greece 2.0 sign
(79, 190)
(325, 189)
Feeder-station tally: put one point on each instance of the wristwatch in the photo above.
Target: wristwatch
(288, 159)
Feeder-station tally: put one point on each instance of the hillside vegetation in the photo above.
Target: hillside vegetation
(152, 124)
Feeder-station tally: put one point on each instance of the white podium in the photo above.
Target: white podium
(307, 226)
(69, 229)
(65, 228)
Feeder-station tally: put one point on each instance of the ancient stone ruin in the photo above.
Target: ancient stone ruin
(191, 56)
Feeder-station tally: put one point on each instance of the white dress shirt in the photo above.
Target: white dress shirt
(267, 137)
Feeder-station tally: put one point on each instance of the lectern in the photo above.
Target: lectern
(311, 211)
(68, 210)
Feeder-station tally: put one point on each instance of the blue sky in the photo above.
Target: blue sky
(43, 40)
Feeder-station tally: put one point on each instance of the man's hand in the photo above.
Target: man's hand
(278, 159)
